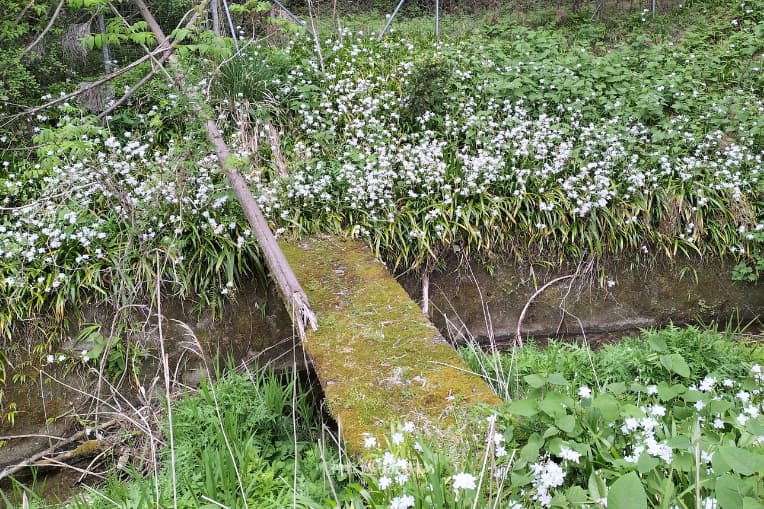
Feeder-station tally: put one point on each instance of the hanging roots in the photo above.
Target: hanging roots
(95, 99)
(71, 44)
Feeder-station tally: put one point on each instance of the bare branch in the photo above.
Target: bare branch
(10, 470)
(518, 335)
(286, 281)
(23, 12)
(45, 31)
(86, 88)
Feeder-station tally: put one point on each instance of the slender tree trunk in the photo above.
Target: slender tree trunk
(215, 17)
(294, 296)
(104, 47)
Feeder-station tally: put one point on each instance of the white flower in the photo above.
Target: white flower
(584, 392)
(545, 476)
(636, 453)
(699, 405)
(384, 482)
(718, 423)
(652, 389)
(660, 450)
(464, 481)
(61, 357)
(501, 451)
(402, 502)
(743, 396)
(728, 383)
(51, 359)
(408, 427)
(369, 441)
(657, 410)
(418, 447)
(569, 454)
(401, 478)
(389, 459)
(707, 384)
(630, 424)
(397, 438)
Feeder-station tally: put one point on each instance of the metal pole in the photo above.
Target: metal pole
(104, 46)
(296, 19)
(230, 25)
(392, 17)
(654, 2)
(437, 20)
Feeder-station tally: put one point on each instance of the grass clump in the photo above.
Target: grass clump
(671, 419)
(246, 437)
(633, 358)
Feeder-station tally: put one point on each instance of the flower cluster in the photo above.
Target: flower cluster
(546, 475)
(407, 471)
(357, 156)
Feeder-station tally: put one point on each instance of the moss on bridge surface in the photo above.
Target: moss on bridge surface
(377, 356)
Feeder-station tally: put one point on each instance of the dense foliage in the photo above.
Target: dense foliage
(637, 140)
(673, 418)
(544, 143)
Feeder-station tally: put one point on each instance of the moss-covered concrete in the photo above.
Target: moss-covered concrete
(377, 356)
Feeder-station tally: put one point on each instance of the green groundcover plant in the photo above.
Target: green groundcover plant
(677, 429)
(661, 424)
(580, 140)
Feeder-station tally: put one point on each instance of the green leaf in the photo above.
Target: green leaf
(676, 363)
(646, 463)
(657, 343)
(608, 406)
(597, 487)
(667, 492)
(566, 423)
(576, 496)
(752, 503)
(535, 381)
(552, 405)
(616, 388)
(727, 493)
(627, 493)
(741, 461)
(667, 392)
(558, 379)
(523, 408)
(530, 452)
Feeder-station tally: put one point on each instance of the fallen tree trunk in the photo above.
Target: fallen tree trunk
(292, 293)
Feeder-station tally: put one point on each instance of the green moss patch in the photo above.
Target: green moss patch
(378, 357)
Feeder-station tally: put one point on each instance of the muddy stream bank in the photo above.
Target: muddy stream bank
(466, 300)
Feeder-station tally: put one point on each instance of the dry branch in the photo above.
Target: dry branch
(12, 469)
(294, 296)
(92, 85)
(273, 135)
(45, 30)
(518, 335)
